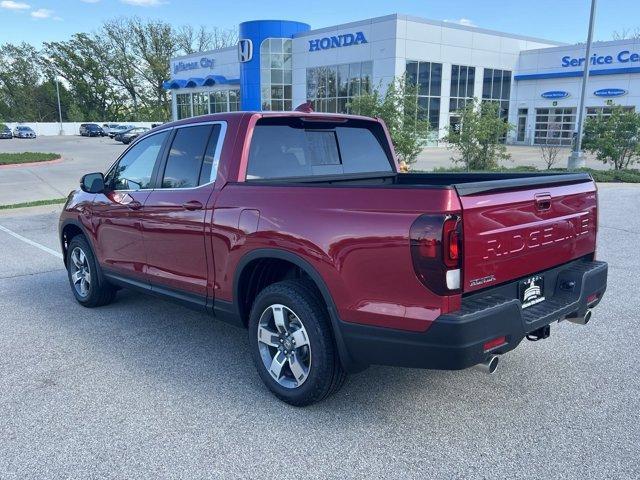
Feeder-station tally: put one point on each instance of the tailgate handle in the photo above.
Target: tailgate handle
(543, 201)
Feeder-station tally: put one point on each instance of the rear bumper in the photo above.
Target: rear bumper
(456, 340)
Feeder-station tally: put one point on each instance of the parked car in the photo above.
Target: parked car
(22, 131)
(299, 227)
(130, 135)
(108, 127)
(91, 130)
(116, 132)
(5, 132)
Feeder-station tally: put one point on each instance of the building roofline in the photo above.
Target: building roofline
(596, 44)
(440, 23)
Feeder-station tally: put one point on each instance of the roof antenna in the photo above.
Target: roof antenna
(306, 107)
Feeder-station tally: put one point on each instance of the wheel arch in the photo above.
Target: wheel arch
(282, 255)
(71, 228)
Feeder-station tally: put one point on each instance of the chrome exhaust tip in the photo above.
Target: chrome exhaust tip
(490, 365)
(581, 320)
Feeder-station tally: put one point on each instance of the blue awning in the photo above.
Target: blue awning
(208, 81)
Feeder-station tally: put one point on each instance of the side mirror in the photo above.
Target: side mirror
(92, 183)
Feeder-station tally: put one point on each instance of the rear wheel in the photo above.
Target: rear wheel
(87, 284)
(292, 345)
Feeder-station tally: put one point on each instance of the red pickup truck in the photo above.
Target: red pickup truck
(299, 227)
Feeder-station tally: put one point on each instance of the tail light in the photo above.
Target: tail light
(436, 252)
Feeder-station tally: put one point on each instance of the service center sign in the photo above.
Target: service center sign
(624, 57)
(337, 41)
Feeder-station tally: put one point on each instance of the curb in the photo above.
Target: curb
(31, 164)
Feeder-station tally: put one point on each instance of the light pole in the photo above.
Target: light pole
(61, 132)
(576, 159)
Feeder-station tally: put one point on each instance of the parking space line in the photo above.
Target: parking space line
(31, 242)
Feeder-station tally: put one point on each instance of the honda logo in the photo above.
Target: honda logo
(245, 50)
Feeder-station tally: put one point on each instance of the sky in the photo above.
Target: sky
(37, 21)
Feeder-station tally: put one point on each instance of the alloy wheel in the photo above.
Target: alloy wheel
(80, 272)
(284, 346)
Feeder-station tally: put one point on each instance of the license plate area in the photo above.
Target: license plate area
(531, 291)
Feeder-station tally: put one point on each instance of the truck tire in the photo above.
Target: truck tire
(88, 285)
(292, 344)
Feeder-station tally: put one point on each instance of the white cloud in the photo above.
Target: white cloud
(11, 5)
(144, 3)
(42, 13)
(463, 21)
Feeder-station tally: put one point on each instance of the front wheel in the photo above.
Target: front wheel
(87, 285)
(292, 345)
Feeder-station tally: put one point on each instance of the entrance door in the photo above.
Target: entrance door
(174, 213)
(117, 212)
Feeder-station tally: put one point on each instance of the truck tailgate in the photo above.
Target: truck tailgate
(515, 232)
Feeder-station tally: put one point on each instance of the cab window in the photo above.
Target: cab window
(192, 160)
(135, 169)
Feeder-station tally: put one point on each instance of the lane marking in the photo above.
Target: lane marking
(31, 242)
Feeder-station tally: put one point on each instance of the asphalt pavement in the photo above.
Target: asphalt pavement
(144, 388)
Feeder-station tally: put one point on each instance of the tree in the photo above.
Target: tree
(478, 139)
(191, 40)
(397, 105)
(550, 151)
(614, 138)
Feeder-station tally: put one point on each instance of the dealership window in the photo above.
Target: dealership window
(462, 80)
(604, 111)
(183, 104)
(203, 103)
(554, 126)
(428, 78)
(496, 86)
(330, 88)
(276, 73)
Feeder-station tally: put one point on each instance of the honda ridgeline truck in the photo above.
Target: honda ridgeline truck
(299, 227)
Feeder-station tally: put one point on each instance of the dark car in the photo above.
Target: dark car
(132, 134)
(5, 132)
(300, 228)
(22, 131)
(91, 130)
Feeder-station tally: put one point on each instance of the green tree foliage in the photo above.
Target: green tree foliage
(397, 105)
(115, 73)
(615, 138)
(478, 138)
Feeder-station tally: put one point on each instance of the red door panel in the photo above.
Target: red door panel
(120, 247)
(173, 225)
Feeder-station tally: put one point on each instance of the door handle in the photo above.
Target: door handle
(135, 205)
(192, 205)
(543, 201)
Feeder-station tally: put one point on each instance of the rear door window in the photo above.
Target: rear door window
(299, 150)
(185, 160)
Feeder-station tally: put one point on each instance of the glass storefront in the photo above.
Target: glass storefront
(428, 77)
(276, 74)
(203, 103)
(521, 129)
(330, 88)
(496, 86)
(555, 126)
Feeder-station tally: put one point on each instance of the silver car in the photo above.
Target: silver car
(22, 131)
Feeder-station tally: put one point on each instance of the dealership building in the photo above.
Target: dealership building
(280, 64)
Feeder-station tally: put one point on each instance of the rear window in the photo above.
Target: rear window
(282, 148)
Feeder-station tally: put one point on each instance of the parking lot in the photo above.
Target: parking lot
(143, 388)
(82, 155)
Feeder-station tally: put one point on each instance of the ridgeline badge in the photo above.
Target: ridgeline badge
(337, 41)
